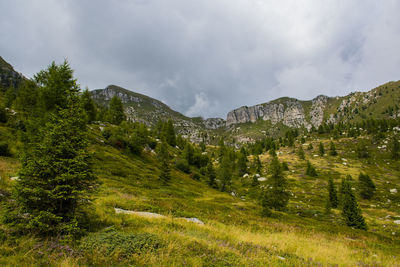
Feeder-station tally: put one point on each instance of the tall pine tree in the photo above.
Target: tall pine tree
(56, 174)
(351, 212)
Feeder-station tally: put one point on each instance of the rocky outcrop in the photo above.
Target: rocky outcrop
(214, 123)
(8, 76)
(288, 111)
(110, 91)
(317, 110)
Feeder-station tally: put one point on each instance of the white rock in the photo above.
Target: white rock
(261, 179)
(246, 175)
(397, 221)
(393, 190)
(257, 175)
(281, 258)
(193, 220)
(16, 178)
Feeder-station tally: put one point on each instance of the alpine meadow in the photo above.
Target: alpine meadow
(110, 176)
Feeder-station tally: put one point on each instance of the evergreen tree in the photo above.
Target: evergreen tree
(55, 84)
(56, 173)
(242, 164)
(27, 98)
(310, 147)
(276, 197)
(164, 158)
(188, 153)
(300, 153)
(332, 149)
(89, 106)
(116, 111)
(9, 97)
(367, 186)
(362, 151)
(225, 172)
(350, 210)
(210, 172)
(257, 164)
(321, 149)
(310, 171)
(170, 133)
(333, 198)
(395, 149)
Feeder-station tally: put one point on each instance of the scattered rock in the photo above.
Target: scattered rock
(16, 178)
(261, 179)
(193, 220)
(393, 190)
(397, 221)
(281, 258)
(246, 175)
(139, 213)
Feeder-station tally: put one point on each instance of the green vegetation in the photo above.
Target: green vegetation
(48, 217)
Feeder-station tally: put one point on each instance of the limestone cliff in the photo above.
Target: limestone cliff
(289, 111)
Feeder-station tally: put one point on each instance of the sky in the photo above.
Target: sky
(207, 57)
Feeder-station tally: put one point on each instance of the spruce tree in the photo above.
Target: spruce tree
(395, 149)
(210, 173)
(332, 149)
(225, 173)
(164, 158)
(350, 210)
(310, 171)
(367, 186)
(300, 153)
(242, 164)
(56, 174)
(89, 106)
(170, 133)
(310, 147)
(116, 111)
(257, 164)
(362, 150)
(276, 197)
(333, 198)
(321, 149)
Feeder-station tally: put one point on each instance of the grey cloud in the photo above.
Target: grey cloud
(207, 57)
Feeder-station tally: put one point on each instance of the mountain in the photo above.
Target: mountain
(381, 102)
(148, 110)
(8, 76)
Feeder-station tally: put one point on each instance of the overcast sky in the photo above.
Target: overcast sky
(206, 57)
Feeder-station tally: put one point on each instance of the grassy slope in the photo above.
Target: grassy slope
(234, 233)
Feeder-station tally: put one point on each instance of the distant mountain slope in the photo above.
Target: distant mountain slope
(148, 110)
(381, 102)
(8, 76)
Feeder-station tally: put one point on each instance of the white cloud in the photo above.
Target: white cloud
(190, 53)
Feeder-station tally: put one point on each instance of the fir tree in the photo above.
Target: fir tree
(89, 106)
(310, 171)
(170, 133)
(300, 153)
(225, 172)
(116, 111)
(164, 158)
(242, 164)
(362, 150)
(395, 149)
(257, 164)
(333, 198)
(350, 210)
(56, 174)
(367, 186)
(276, 197)
(210, 172)
(321, 149)
(310, 147)
(332, 149)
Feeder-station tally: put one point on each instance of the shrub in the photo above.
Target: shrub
(311, 170)
(120, 243)
(182, 165)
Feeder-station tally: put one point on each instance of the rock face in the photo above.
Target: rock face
(8, 76)
(214, 123)
(289, 111)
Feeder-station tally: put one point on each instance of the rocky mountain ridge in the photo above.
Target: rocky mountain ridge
(8, 76)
